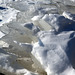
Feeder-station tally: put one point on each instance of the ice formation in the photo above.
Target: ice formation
(37, 37)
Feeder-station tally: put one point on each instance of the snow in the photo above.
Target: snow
(29, 25)
(52, 48)
(26, 72)
(41, 23)
(69, 15)
(35, 27)
(52, 54)
(3, 44)
(7, 62)
(4, 63)
(1, 34)
(6, 1)
(7, 15)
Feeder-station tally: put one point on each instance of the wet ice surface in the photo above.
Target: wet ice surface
(37, 37)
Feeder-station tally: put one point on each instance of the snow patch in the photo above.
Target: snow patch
(8, 15)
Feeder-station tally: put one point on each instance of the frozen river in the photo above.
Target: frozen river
(37, 37)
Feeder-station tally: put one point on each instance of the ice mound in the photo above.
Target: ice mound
(52, 52)
(59, 22)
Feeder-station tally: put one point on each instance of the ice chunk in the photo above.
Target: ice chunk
(35, 30)
(35, 20)
(59, 22)
(8, 64)
(7, 15)
(53, 55)
(27, 47)
(44, 25)
(69, 15)
(3, 44)
(41, 23)
(1, 34)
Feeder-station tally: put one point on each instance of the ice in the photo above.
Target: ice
(41, 23)
(8, 65)
(66, 2)
(53, 53)
(50, 50)
(29, 25)
(1, 34)
(59, 22)
(26, 46)
(73, 0)
(7, 15)
(69, 15)
(44, 25)
(6, 1)
(3, 44)
(37, 37)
